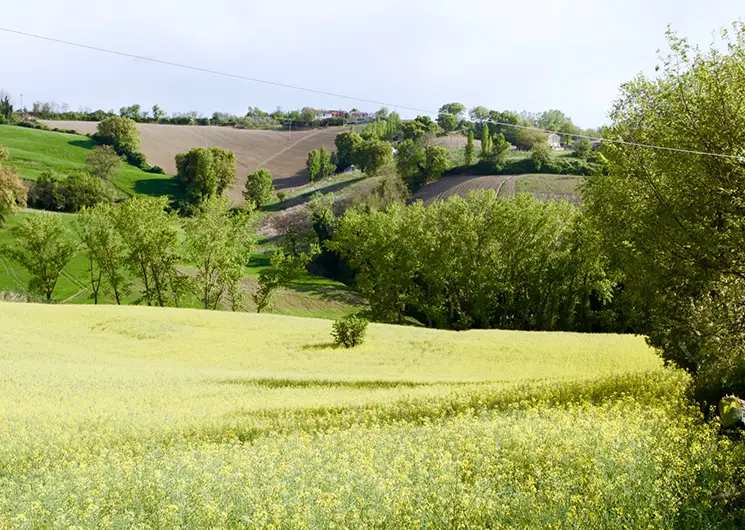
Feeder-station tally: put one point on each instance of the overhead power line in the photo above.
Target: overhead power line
(354, 98)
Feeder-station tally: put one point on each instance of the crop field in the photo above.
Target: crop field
(121, 417)
(281, 152)
(541, 186)
(34, 151)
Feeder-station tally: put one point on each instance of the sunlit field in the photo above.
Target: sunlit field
(120, 417)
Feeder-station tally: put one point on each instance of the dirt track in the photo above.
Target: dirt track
(281, 152)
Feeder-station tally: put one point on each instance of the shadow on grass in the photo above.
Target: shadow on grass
(158, 186)
(305, 197)
(334, 383)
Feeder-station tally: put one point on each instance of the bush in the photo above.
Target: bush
(349, 331)
(155, 169)
(138, 159)
(3, 153)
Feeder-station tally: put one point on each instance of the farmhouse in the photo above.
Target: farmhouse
(554, 141)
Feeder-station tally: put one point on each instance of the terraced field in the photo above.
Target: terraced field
(281, 152)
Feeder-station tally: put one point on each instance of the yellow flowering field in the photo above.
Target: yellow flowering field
(130, 417)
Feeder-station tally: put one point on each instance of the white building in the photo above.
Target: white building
(554, 141)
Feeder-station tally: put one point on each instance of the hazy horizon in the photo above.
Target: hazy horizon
(563, 54)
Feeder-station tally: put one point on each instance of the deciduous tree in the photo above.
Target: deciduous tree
(103, 162)
(313, 163)
(120, 132)
(259, 188)
(13, 193)
(43, 247)
(346, 144)
(220, 245)
(371, 155)
(469, 149)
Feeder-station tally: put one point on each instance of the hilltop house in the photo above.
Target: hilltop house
(359, 117)
(554, 141)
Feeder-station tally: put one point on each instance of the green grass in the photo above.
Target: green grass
(34, 151)
(120, 417)
(548, 184)
(309, 296)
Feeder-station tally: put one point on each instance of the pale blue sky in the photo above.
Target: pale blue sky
(565, 54)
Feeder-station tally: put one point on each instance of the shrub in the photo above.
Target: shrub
(156, 169)
(138, 159)
(259, 188)
(3, 153)
(281, 195)
(349, 331)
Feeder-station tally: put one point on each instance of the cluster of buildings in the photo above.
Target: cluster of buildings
(354, 116)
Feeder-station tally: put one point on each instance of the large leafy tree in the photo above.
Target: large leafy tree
(673, 220)
(259, 188)
(219, 244)
(120, 132)
(372, 155)
(103, 162)
(151, 240)
(479, 114)
(204, 172)
(346, 144)
(43, 246)
(106, 251)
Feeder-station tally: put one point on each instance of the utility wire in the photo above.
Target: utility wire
(354, 98)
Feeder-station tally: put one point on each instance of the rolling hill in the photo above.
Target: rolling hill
(281, 152)
(34, 151)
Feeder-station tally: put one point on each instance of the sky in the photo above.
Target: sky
(571, 55)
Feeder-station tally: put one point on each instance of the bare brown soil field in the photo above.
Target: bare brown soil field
(458, 185)
(281, 152)
(543, 187)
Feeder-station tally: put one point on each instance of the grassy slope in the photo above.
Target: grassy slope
(548, 184)
(34, 151)
(309, 296)
(125, 416)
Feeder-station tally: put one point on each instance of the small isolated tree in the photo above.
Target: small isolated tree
(120, 132)
(371, 155)
(43, 247)
(540, 154)
(13, 193)
(259, 188)
(283, 270)
(349, 331)
(281, 196)
(106, 251)
(327, 167)
(220, 245)
(346, 144)
(469, 149)
(313, 163)
(103, 162)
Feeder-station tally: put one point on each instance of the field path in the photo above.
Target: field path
(509, 185)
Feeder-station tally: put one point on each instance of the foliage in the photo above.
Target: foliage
(205, 172)
(540, 155)
(327, 168)
(79, 190)
(582, 148)
(469, 149)
(259, 188)
(220, 245)
(527, 138)
(371, 155)
(106, 251)
(447, 122)
(103, 161)
(151, 241)
(12, 192)
(282, 271)
(418, 128)
(6, 109)
(120, 132)
(4, 155)
(346, 145)
(486, 143)
(349, 331)
(313, 163)
(671, 220)
(281, 196)
(479, 262)
(479, 114)
(43, 247)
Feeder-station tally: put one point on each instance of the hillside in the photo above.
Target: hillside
(165, 418)
(283, 153)
(34, 151)
(540, 185)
